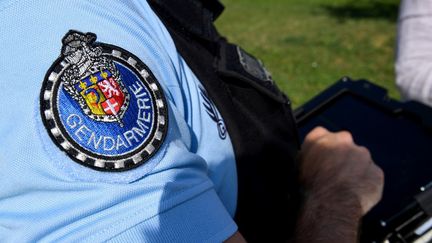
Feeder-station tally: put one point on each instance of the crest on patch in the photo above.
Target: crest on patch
(93, 80)
(102, 105)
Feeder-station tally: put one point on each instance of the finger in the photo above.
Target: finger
(379, 176)
(345, 137)
(313, 136)
(365, 154)
(316, 134)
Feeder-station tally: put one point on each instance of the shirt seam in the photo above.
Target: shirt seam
(231, 226)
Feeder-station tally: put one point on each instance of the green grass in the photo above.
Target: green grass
(309, 44)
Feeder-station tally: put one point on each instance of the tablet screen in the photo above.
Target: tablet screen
(398, 142)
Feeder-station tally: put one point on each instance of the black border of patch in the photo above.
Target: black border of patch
(109, 161)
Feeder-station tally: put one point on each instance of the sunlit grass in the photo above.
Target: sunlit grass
(308, 45)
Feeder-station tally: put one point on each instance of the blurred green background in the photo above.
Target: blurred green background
(308, 45)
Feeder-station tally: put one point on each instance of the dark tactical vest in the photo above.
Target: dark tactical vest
(257, 115)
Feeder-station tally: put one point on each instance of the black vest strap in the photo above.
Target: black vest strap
(257, 115)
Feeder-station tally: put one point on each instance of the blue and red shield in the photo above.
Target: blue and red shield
(102, 93)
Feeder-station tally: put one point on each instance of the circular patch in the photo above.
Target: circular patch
(102, 105)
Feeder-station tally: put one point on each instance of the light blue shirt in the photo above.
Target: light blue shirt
(186, 192)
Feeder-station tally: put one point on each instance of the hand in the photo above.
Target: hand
(337, 172)
(342, 184)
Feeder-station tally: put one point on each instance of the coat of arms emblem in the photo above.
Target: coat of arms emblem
(93, 80)
(102, 105)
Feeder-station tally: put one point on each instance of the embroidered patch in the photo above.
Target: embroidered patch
(102, 105)
(212, 112)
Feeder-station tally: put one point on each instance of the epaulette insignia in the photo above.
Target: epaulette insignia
(103, 106)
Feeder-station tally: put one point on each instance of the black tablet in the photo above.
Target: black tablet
(399, 136)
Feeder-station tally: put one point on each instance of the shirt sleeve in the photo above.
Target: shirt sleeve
(56, 183)
(414, 50)
(200, 219)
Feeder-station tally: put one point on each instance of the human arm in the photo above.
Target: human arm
(341, 184)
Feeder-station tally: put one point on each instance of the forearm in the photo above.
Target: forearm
(324, 220)
(341, 184)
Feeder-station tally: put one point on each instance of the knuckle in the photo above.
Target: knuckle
(365, 152)
(316, 133)
(345, 136)
(378, 174)
(319, 129)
